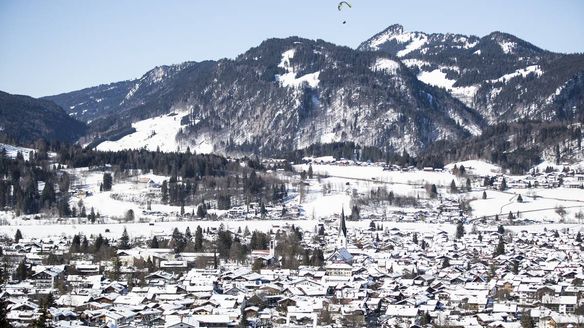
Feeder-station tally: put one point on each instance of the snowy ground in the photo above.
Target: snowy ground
(165, 228)
(377, 174)
(11, 151)
(476, 167)
(157, 132)
(320, 198)
(538, 204)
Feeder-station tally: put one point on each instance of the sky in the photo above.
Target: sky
(50, 47)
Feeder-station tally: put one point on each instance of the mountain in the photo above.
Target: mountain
(499, 75)
(24, 120)
(281, 95)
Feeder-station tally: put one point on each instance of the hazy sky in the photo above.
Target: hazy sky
(48, 47)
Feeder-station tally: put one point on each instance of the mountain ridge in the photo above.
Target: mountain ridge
(398, 91)
(500, 75)
(293, 92)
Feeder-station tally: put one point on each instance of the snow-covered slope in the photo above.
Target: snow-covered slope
(477, 167)
(501, 76)
(157, 133)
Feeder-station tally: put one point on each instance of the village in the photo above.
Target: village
(477, 248)
(371, 276)
(348, 243)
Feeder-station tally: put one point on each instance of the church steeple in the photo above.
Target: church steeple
(342, 238)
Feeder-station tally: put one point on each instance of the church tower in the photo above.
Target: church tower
(342, 237)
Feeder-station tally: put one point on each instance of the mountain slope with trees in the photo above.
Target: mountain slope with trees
(24, 120)
(501, 76)
(287, 94)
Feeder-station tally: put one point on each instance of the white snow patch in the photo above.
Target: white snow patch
(12, 151)
(131, 92)
(477, 167)
(376, 173)
(412, 40)
(289, 78)
(150, 134)
(412, 62)
(325, 206)
(507, 46)
(523, 72)
(416, 42)
(436, 78)
(386, 65)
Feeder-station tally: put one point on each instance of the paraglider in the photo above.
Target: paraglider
(340, 7)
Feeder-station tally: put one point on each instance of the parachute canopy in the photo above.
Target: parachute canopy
(343, 3)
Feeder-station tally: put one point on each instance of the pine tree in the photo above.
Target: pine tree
(306, 257)
(317, 258)
(124, 242)
(510, 217)
(519, 199)
(484, 195)
(4, 323)
(41, 321)
(310, 171)
(201, 211)
(579, 237)
(503, 185)
(433, 191)
(515, 268)
(75, 244)
(48, 196)
(500, 249)
(48, 301)
(21, 272)
(91, 215)
(164, 191)
(453, 188)
(154, 243)
(415, 238)
(178, 241)
(129, 217)
(150, 265)
(526, 320)
(107, 182)
(355, 213)
(98, 243)
(117, 268)
(17, 236)
(459, 230)
(462, 170)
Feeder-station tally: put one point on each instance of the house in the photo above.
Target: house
(339, 270)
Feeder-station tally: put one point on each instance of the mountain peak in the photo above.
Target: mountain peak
(394, 29)
(395, 41)
(510, 44)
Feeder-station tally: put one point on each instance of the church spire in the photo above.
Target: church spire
(343, 225)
